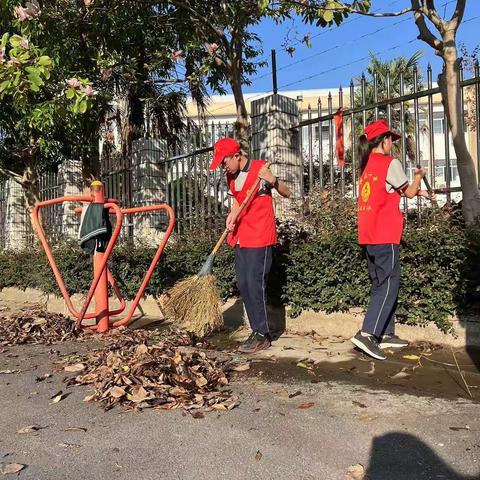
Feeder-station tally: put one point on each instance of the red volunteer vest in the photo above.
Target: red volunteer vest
(255, 226)
(379, 217)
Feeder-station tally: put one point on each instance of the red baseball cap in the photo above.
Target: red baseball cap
(223, 148)
(378, 128)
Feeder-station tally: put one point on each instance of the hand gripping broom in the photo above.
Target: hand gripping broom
(195, 301)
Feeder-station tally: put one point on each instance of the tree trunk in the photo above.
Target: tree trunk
(449, 83)
(242, 125)
(30, 186)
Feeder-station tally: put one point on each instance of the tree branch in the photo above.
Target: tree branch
(457, 16)
(424, 32)
(347, 8)
(203, 20)
(429, 10)
(384, 14)
(14, 176)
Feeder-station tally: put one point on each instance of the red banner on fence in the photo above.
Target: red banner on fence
(338, 117)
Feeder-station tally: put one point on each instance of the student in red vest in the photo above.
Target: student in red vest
(380, 225)
(252, 233)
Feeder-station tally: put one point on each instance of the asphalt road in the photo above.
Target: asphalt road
(392, 434)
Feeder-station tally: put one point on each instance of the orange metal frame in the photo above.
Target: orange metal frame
(102, 275)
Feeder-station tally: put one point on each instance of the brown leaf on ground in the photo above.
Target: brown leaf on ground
(306, 405)
(68, 445)
(457, 429)
(75, 429)
(34, 325)
(401, 374)
(59, 396)
(243, 367)
(43, 377)
(30, 429)
(160, 369)
(11, 468)
(355, 472)
(76, 367)
(9, 372)
(359, 404)
(258, 455)
(295, 394)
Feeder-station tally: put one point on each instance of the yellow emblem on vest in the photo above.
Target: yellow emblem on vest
(366, 190)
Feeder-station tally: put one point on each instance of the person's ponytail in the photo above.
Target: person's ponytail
(365, 148)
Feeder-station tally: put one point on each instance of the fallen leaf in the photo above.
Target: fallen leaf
(197, 414)
(303, 365)
(241, 368)
(139, 394)
(76, 367)
(43, 377)
(367, 418)
(75, 429)
(295, 394)
(457, 429)
(141, 350)
(372, 369)
(355, 472)
(411, 357)
(359, 404)
(8, 372)
(258, 455)
(68, 445)
(117, 392)
(30, 429)
(10, 468)
(306, 405)
(89, 398)
(58, 397)
(401, 374)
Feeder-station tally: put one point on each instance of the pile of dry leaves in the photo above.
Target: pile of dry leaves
(35, 325)
(144, 369)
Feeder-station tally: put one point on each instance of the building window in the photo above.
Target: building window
(438, 125)
(325, 132)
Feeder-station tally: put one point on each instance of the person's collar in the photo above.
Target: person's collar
(246, 167)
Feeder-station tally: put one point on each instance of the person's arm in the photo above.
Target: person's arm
(232, 216)
(413, 189)
(266, 174)
(398, 180)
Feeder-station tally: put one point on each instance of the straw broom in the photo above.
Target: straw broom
(195, 301)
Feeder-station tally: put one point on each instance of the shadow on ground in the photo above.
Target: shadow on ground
(402, 456)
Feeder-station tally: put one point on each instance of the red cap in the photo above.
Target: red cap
(223, 148)
(378, 128)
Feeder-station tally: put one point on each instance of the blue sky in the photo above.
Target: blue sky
(338, 53)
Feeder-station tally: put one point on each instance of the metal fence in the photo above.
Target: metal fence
(178, 176)
(156, 173)
(3, 212)
(413, 109)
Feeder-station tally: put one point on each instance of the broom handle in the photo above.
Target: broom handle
(242, 206)
(429, 189)
(427, 183)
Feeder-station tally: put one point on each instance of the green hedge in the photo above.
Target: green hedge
(327, 271)
(318, 265)
(182, 258)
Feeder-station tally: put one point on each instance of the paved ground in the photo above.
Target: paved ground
(421, 425)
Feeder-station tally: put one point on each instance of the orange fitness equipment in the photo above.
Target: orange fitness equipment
(102, 276)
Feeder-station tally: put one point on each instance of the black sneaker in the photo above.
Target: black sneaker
(248, 342)
(254, 343)
(369, 345)
(392, 341)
